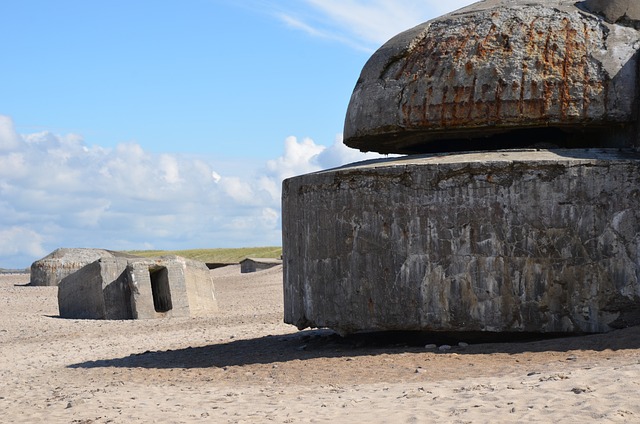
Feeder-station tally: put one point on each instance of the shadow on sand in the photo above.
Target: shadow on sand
(306, 345)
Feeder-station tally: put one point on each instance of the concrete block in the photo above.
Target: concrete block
(116, 288)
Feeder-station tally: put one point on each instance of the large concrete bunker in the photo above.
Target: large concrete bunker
(120, 288)
(518, 206)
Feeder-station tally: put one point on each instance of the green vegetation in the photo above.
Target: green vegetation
(215, 255)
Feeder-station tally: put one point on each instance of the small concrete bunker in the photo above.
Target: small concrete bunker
(517, 207)
(248, 265)
(120, 288)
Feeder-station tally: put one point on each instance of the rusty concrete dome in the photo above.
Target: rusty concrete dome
(503, 74)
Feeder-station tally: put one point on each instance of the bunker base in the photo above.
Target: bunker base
(531, 241)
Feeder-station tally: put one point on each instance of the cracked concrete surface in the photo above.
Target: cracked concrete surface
(520, 241)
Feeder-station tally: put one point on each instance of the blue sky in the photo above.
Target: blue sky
(171, 124)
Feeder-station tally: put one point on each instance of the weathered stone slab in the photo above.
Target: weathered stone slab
(507, 241)
(551, 70)
(51, 269)
(120, 288)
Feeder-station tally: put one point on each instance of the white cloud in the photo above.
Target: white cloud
(326, 33)
(20, 240)
(270, 217)
(298, 24)
(92, 216)
(299, 158)
(338, 154)
(363, 23)
(170, 169)
(12, 165)
(305, 156)
(57, 191)
(9, 139)
(239, 190)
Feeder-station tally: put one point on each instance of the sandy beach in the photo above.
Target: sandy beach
(244, 365)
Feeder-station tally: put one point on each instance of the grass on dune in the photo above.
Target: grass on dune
(222, 255)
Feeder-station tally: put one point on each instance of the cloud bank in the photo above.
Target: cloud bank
(58, 191)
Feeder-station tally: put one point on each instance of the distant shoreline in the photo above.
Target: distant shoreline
(14, 271)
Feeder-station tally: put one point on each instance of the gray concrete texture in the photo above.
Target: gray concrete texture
(121, 288)
(504, 241)
(465, 80)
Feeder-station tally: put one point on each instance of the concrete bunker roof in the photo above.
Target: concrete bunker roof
(549, 70)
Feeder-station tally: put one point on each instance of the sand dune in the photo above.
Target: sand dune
(243, 365)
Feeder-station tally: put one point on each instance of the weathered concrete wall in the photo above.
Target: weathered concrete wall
(496, 66)
(175, 301)
(99, 290)
(495, 241)
(117, 288)
(199, 287)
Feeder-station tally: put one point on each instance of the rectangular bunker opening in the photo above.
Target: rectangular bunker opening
(160, 289)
